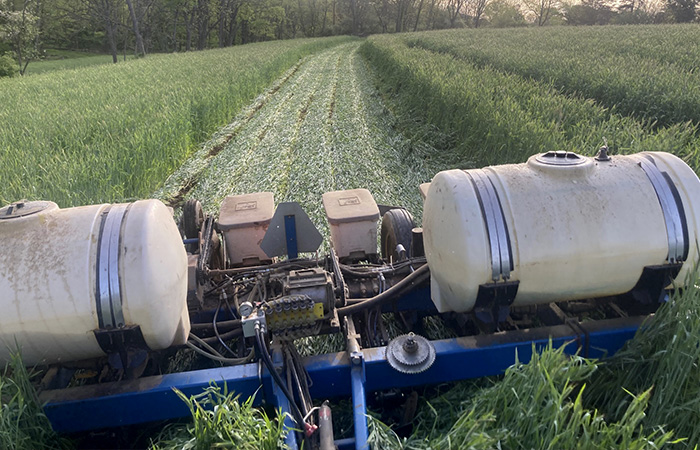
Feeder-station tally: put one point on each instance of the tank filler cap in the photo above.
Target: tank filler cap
(560, 159)
(24, 208)
(603, 154)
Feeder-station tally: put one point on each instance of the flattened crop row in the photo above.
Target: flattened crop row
(322, 129)
(111, 133)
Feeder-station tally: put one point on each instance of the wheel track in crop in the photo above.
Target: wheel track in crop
(322, 127)
(181, 182)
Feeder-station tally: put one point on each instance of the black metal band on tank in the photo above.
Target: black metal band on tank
(672, 208)
(496, 227)
(108, 289)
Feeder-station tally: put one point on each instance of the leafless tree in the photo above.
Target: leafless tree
(140, 49)
(228, 15)
(430, 21)
(105, 12)
(420, 8)
(540, 10)
(382, 9)
(454, 9)
(403, 8)
(478, 8)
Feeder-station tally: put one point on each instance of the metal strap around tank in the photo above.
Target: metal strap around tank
(108, 289)
(673, 213)
(499, 242)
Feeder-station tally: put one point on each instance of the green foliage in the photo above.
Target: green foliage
(647, 71)
(496, 117)
(72, 62)
(663, 357)
(110, 133)
(589, 12)
(539, 404)
(504, 13)
(219, 420)
(20, 28)
(682, 11)
(23, 424)
(8, 66)
(260, 19)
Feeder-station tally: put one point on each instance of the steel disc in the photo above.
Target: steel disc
(410, 353)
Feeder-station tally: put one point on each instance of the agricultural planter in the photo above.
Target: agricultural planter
(566, 249)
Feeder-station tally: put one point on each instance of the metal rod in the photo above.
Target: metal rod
(325, 427)
(357, 382)
(359, 404)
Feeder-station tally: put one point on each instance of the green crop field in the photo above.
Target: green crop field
(496, 116)
(319, 130)
(65, 60)
(645, 72)
(106, 133)
(299, 118)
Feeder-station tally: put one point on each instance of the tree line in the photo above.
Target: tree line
(27, 27)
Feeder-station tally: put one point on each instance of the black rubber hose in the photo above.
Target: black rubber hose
(298, 416)
(223, 325)
(216, 331)
(414, 279)
(367, 273)
(225, 336)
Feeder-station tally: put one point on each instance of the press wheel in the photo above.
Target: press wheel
(396, 229)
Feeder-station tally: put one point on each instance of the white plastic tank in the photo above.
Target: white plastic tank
(67, 272)
(565, 226)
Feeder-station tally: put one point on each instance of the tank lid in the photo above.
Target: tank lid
(560, 158)
(247, 210)
(21, 209)
(353, 205)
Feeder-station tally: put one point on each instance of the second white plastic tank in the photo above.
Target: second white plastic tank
(564, 225)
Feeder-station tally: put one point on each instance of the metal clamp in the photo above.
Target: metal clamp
(108, 293)
(672, 208)
(497, 230)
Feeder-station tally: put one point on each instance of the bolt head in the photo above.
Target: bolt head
(410, 346)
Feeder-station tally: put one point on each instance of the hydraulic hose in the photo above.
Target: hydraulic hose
(225, 336)
(414, 279)
(368, 271)
(265, 356)
(223, 325)
(211, 353)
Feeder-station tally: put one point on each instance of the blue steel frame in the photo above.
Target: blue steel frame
(333, 375)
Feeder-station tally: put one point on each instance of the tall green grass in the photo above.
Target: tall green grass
(495, 118)
(66, 60)
(538, 405)
(220, 420)
(649, 72)
(110, 133)
(23, 425)
(665, 358)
